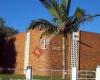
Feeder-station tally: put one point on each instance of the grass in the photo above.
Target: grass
(11, 77)
(47, 78)
(22, 77)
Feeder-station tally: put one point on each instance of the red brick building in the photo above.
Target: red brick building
(13, 52)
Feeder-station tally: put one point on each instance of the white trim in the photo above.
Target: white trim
(73, 73)
(26, 52)
(74, 50)
(98, 73)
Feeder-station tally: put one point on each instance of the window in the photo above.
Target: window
(44, 43)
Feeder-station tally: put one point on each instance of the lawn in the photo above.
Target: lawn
(22, 77)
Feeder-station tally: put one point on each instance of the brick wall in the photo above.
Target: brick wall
(89, 50)
(52, 57)
(19, 46)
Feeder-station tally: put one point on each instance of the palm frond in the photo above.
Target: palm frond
(63, 13)
(66, 5)
(89, 18)
(78, 21)
(53, 7)
(79, 13)
(74, 26)
(41, 24)
(49, 32)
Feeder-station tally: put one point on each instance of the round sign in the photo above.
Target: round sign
(37, 52)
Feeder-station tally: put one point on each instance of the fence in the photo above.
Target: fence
(50, 74)
(85, 74)
(31, 74)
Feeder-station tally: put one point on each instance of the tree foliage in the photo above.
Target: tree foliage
(62, 21)
(6, 30)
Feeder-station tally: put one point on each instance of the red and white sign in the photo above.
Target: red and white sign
(37, 52)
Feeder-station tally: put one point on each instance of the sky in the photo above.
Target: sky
(19, 13)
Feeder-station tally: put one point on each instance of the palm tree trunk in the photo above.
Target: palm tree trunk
(64, 57)
(64, 37)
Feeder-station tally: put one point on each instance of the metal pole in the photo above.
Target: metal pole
(29, 73)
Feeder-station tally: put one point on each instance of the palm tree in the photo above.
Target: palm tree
(63, 23)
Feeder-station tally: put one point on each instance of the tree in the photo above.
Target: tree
(1, 24)
(10, 31)
(6, 30)
(63, 22)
